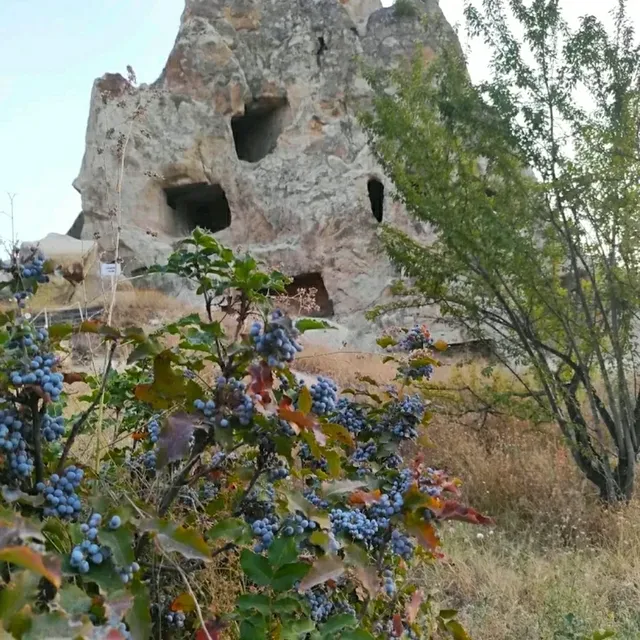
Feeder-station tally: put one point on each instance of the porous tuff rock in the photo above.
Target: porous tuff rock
(283, 76)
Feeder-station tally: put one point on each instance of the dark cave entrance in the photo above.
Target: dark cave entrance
(306, 291)
(199, 205)
(256, 132)
(376, 197)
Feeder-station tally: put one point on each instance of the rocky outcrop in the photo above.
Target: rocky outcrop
(251, 131)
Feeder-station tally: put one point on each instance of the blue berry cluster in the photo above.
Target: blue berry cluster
(388, 505)
(153, 428)
(89, 550)
(265, 530)
(60, 495)
(279, 471)
(52, 427)
(13, 443)
(403, 417)
(126, 573)
(297, 524)
(276, 341)
(364, 452)
(354, 523)
(33, 267)
(350, 416)
(416, 371)
(232, 396)
(315, 499)
(308, 459)
(324, 396)
(209, 491)
(389, 584)
(319, 604)
(175, 619)
(39, 371)
(416, 338)
(401, 545)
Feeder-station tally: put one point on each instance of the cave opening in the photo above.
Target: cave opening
(199, 205)
(306, 295)
(256, 132)
(376, 197)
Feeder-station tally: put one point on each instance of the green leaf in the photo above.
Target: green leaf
(286, 604)
(310, 324)
(139, 616)
(282, 551)
(120, 541)
(356, 634)
(340, 487)
(231, 529)
(293, 629)
(173, 537)
(56, 625)
(73, 600)
(20, 591)
(338, 623)
(304, 400)
(456, 630)
(285, 577)
(59, 331)
(106, 577)
(256, 567)
(253, 628)
(386, 341)
(256, 601)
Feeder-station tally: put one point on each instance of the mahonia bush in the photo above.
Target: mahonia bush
(306, 486)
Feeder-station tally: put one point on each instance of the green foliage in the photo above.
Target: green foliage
(532, 191)
(308, 492)
(404, 9)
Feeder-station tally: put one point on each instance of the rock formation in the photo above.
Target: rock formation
(251, 131)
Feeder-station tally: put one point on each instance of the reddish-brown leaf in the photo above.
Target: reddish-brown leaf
(451, 486)
(213, 627)
(452, 510)
(413, 606)
(73, 376)
(426, 535)
(48, 567)
(139, 435)
(398, 627)
(184, 602)
(261, 380)
(365, 497)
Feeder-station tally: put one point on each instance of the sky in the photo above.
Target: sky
(53, 50)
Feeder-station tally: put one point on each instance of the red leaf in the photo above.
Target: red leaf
(214, 627)
(413, 606)
(452, 510)
(398, 627)
(426, 535)
(73, 376)
(139, 435)
(365, 497)
(261, 379)
(301, 421)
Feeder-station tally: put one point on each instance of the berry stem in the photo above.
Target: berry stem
(36, 415)
(79, 423)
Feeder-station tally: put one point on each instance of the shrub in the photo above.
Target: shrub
(404, 9)
(223, 452)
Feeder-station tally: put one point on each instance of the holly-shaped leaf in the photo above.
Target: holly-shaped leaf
(323, 569)
(256, 567)
(311, 324)
(120, 541)
(254, 602)
(139, 615)
(49, 567)
(174, 440)
(174, 537)
(231, 529)
(285, 577)
(282, 551)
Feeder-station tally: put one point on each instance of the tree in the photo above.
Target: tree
(531, 182)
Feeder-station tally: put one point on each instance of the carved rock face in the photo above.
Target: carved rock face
(251, 131)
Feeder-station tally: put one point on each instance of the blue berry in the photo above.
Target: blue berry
(276, 341)
(115, 522)
(324, 396)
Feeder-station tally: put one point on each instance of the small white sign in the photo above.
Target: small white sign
(110, 269)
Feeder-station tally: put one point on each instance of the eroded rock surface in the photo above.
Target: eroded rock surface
(251, 131)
